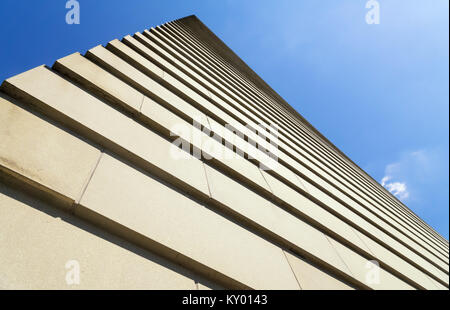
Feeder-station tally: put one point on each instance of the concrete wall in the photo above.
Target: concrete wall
(89, 181)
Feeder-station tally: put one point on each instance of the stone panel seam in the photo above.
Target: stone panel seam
(207, 180)
(88, 180)
(295, 276)
(367, 246)
(340, 257)
(302, 185)
(142, 103)
(265, 180)
(209, 123)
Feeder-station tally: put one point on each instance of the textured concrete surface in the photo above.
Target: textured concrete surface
(38, 241)
(88, 177)
(153, 210)
(42, 153)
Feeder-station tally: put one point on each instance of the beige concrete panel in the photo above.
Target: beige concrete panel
(268, 216)
(218, 63)
(155, 112)
(169, 78)
(145, 84)
(158, 213)
(135, 59)
(207, 147)
(311, 277)
(248, 125)
(237, 102)
(237, 136)
(248, 171)
(288, 177)
(397, 263)
(140, 44)
(161, 115)
(43, 153)
(190, 78)
(49, 91)
(159, 33)
(362, 268)
(156, 33)
(314, 212)
(340, 209)
(93, 77)
(221, 111)
(37, 241)
(251, 150)
(232, 109)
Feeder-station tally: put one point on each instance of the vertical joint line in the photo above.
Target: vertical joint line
(264, 178)
(142, 104)
(292, 270)
(207, 181)
(85, 186)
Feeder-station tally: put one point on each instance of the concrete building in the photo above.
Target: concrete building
(162, 161)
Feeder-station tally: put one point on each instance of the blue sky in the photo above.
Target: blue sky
(378, 92)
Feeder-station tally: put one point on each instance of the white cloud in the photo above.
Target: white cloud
(417, 176)
(398, 189)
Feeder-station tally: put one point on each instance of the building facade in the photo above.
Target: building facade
(162, 161)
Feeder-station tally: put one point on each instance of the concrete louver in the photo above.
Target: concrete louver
(89, 173)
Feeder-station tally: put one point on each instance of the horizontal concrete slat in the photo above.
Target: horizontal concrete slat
(313, 211)
(156, 212)
(93, 77)
(107, 126)
(396, 262)
(361, 269)
(40, 152)
(208, 146)
(81, 70)
(149, 87)
(311, 277)
(38, 240)
(195, 90)
(267, 216)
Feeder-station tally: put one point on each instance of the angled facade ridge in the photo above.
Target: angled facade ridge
(232, 57)
(152, 162)
(215, 42)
